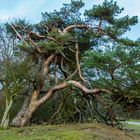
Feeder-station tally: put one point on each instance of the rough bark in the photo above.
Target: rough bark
(18, 118)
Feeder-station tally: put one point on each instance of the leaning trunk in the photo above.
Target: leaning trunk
(23, 118)
(17, 119)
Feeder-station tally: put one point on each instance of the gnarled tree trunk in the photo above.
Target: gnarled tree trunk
(24, 117)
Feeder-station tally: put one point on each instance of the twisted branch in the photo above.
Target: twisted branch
(64, 85)
(69, 28)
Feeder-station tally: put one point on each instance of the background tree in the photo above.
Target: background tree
(14, 72)
(116, 68)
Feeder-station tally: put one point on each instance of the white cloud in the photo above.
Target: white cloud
(26, 9)
(31, 10)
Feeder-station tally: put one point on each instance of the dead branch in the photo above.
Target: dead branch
(73, 74)
(18, 35)
(109, 109)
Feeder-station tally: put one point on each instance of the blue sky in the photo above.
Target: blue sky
(31, 10)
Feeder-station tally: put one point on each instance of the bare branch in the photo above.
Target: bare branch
(73, 74)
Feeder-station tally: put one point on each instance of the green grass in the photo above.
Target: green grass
(89, 131)
(53, 132)
(133, 120)
(134, 127)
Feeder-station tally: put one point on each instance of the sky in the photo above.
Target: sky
(32, 9)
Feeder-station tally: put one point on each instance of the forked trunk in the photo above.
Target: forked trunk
(30, 104)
